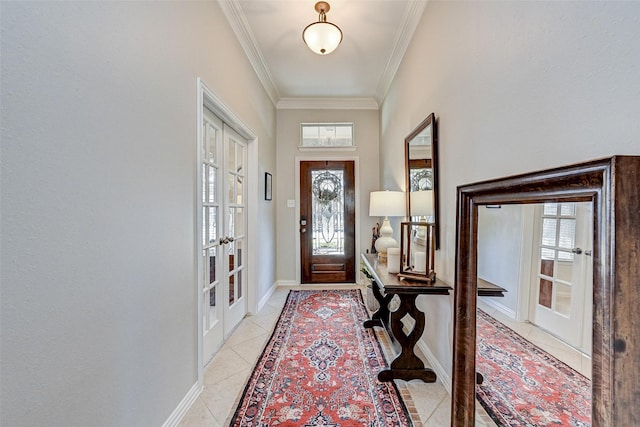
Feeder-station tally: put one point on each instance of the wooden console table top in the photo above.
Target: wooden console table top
(392, 284)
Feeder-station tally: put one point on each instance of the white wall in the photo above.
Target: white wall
(366, 134)
(516, 87)
(98, 298)
(500, 247)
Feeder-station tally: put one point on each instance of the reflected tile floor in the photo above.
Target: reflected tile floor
(547, 342)
(542, 339)
(227, 373)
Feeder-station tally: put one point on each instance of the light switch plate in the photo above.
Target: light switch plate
(291, 203)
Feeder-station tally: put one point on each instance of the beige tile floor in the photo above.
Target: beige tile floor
(226, 374)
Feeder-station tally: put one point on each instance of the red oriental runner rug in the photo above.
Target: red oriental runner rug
(320, 368)
(525, 386)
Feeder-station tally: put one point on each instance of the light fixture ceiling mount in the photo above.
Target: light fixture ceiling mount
(322, 37)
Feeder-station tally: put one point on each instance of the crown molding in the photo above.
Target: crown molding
(240, 26)
(238, 21)
(412, 15)
(327, 104)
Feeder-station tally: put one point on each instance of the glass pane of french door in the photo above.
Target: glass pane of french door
(235, 225)
(211, 294)
(557, 257)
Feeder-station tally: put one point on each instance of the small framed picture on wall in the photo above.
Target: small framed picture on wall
(268, 183)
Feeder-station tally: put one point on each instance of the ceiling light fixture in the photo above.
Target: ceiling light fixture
(322, 37)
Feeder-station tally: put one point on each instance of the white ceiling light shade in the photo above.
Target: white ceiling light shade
(322, 37)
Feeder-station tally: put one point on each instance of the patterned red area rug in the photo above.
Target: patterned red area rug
(525, 386)
(320, 368)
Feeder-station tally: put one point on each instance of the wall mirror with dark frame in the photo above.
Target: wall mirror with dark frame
(421, 174)
(609, 187)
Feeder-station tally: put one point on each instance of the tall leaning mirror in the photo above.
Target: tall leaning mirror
(610, 188)
(421, 167)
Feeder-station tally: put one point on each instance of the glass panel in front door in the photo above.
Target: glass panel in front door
(327, 205)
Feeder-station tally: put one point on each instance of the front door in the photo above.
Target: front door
(327, 221)
(563, 278)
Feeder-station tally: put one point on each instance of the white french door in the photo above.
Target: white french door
(223, 158)
(562, 283)
(234, 241)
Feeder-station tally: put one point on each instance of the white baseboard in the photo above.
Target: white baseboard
(266, 296)
(443, 375)
(287, 283)
(179, 413)
(491, 302)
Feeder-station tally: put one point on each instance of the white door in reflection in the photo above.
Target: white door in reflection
(563, 279)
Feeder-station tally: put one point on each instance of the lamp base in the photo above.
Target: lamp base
(385, 240)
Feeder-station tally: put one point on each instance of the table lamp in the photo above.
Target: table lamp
(422, 205)
(386, 204)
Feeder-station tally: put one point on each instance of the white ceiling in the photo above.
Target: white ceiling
(375, 36)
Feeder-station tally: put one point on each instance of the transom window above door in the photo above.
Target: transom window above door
(326, 135)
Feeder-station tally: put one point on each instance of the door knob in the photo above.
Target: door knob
(576, 251)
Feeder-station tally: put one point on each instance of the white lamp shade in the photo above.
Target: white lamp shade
(421, 203)
(387, 203)
(322, 37)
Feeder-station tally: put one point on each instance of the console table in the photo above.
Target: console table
(406, 365)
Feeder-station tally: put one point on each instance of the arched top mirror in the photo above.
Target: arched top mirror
(421, 174)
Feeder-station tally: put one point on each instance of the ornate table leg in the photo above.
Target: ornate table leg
(407, 365)
(381, 316)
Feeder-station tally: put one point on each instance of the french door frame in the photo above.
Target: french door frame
(207, 98)
(356, 172)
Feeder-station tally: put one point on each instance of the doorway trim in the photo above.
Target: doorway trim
(356, 172)
(208, 98)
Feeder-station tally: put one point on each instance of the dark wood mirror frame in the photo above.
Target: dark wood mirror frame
(612, 185)
(429, 121)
